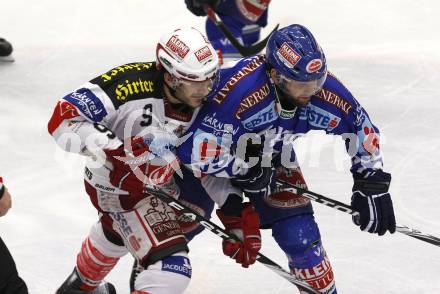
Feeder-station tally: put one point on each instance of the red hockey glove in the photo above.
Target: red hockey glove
(247, 228)
(135, 166)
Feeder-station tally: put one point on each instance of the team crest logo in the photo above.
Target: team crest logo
(314, 65)
(288, 55)
(177, 46)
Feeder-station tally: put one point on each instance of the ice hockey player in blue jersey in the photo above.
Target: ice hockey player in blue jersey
(244, 18)
(280, 96)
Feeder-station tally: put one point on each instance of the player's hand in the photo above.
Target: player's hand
(197, 6)
(257, 180)
(135, 166)
(247, 228)
(373, 202)
(5, 202)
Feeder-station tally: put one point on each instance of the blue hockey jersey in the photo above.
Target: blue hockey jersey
(245, 101)
(243, 18)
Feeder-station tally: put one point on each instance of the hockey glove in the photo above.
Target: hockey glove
(245, 226)
(373, 202)
(136, 167)
(257, 180)
(197, 6)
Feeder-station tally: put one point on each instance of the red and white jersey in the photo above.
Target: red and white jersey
(124, 102)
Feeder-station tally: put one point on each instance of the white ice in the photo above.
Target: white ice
(388, 54)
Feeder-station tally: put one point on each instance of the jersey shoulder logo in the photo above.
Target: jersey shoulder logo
(129, 82)
(88, 104)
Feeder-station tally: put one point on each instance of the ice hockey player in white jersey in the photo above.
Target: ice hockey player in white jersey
(126, 122)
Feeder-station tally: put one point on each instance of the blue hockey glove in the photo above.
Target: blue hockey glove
(196, 6)
(257, 180)
(373, 202)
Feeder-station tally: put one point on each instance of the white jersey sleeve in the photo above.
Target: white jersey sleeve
(81, 121)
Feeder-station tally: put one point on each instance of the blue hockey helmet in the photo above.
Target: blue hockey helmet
(295, 54)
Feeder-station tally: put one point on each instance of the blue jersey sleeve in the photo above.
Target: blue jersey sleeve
(335, 110)
(243, 18)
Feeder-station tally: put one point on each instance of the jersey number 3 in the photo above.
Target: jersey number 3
(146, 115)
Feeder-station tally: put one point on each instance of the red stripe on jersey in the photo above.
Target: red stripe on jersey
(63, 110)
(256, 8)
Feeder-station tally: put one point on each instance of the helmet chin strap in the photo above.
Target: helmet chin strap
(287, 107)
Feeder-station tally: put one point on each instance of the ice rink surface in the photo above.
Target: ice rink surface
(386, 52)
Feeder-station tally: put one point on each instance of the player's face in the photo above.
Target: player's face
(299, 93)
(193, 93)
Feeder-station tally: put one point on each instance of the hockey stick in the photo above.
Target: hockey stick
(286, 186)
(244, 51)
(176, 204)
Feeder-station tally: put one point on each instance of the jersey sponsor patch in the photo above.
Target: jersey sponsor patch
(124, 226)
(334, 99)
(178, 265)
(123, 69)
(319, 117)
(253, 65)
(264, 116)
(217, 126)
(254, 98)
(289, 56)
(131, 87)
(161, 220)
(88, 104)
(129, 82)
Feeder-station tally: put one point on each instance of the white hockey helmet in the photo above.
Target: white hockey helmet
(186, 54)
